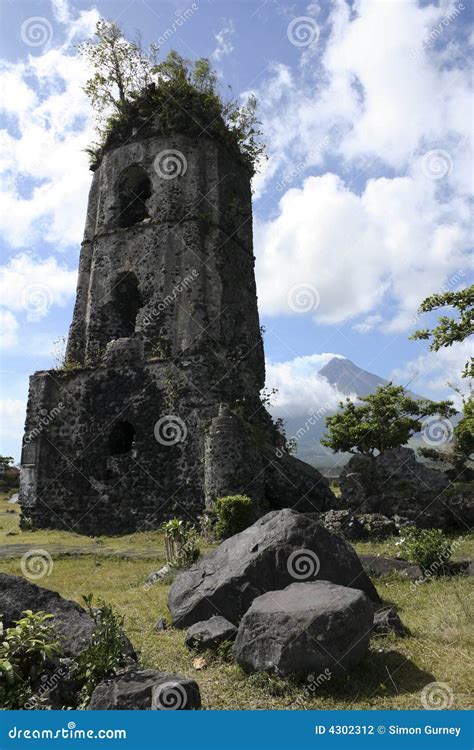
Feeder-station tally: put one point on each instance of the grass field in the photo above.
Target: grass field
(439, 615)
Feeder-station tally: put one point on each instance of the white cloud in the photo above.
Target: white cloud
(395, 241)
(224, 40)
(431, 372)
(12, 418)
(32, 286)
(8, 329)
(370, 322)
(45, 178)
(375, 91)
(301, 390)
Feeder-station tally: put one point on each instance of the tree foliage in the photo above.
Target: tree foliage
(128, 88)
(383, 420)
(449, 330)
(459, 454)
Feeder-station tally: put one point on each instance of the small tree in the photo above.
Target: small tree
(385, 419)
(450, 330)
(6, 462)
(128, 86)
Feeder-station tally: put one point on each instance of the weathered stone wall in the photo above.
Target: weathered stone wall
(157, 412)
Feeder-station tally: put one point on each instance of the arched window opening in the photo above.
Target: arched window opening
(126, 302)
(134, 189)
(121, 438)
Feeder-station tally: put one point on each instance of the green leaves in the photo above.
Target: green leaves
(383, 420)
(24, 648)
(450, 330)
(128, 85)
(180, 543)
(106, 651)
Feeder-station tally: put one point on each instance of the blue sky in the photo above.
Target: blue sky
(361, 210)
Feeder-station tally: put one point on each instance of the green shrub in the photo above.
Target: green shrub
(106, 651)
(24, 649)
(180, 543)
(234, 513)
(428, 548)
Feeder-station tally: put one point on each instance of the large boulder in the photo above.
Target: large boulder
(396, 484)
(306, 628)
(279, 549)
(146, 689)
(210, 633)
(73, 625)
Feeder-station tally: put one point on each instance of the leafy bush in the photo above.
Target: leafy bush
(180, 543)
(234, 513)
(106, 651)
(428, 548)
(24, 649)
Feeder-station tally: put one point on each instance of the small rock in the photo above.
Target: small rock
(146, 689)
(199, 663)
(160, 624)
(306, 628)
(387, 621)
(158, 575)
(210, 633)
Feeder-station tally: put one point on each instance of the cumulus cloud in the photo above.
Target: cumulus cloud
(224, 40)
(396, 240)
(32, 285)
(44, 176)
(12, 422)
(301, 391)
(431, 372)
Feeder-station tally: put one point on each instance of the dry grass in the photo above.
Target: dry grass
(439, 615)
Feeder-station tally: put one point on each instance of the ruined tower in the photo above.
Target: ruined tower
(157, 412)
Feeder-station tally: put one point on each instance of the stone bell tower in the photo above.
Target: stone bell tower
(156, 411)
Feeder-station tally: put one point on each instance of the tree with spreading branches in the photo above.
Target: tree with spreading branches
(382, 420)
(450, 330)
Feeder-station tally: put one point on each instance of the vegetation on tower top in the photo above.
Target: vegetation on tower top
(132, 92)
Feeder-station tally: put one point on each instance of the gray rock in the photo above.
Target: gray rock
(396, 484)
(210, 633)
(306, 628)
(160, 624)
(378, 526)
(157, 576)
(384, 566)
(345, 523)
(279, 549)
(146, 689)
(387, 621)
(73, 625)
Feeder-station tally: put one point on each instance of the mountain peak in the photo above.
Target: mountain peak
(350, 379)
